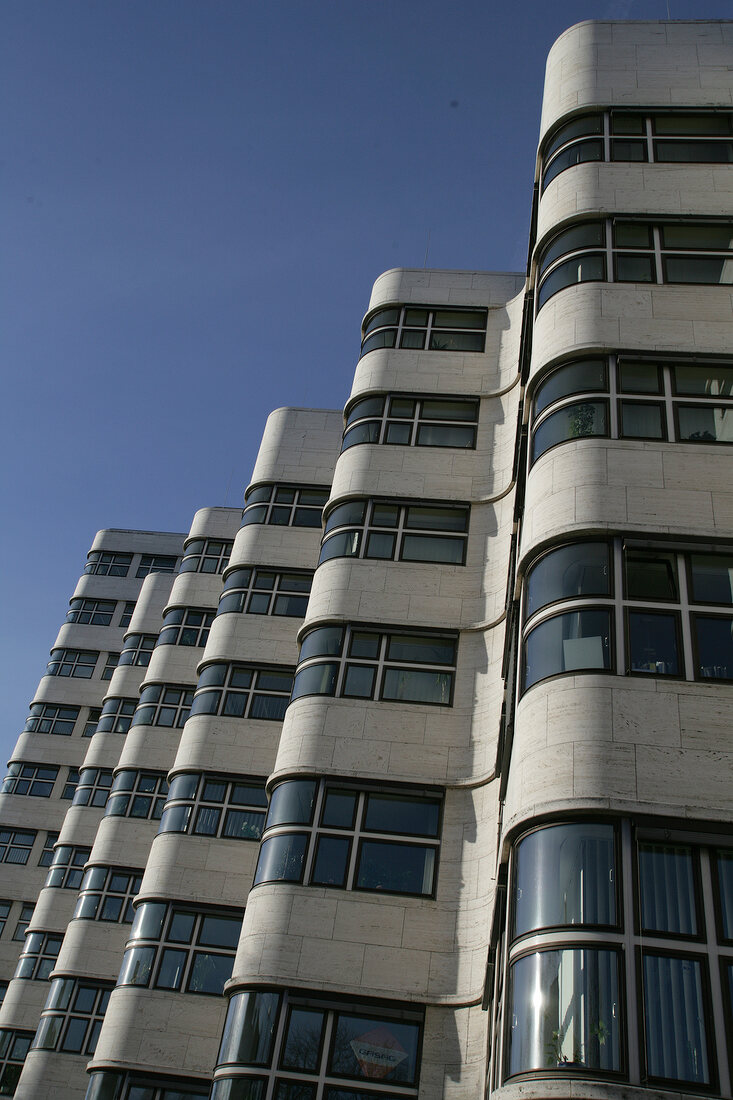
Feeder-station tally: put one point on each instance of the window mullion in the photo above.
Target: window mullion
(633, 1002)
(685, 618)
(617, 554)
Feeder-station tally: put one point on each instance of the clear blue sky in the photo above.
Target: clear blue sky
(196, 198)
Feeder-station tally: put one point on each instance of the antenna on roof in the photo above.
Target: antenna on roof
(427, 249)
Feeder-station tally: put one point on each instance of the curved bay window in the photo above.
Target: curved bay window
(629, 607)
(626, 251)
(412, 421)
(615, 934)
(243, 691)
(297, 1047)
(355, 663)
(624, 397)
(285, 505)
(425, 328)
(323, 833)
(679, 137)
(396, 531)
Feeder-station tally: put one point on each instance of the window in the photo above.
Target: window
(243, 691)
(352, 839)
(623, 397)
(4, 914)
(689, 137)
(3, 991)
(357, 663)
(38, 957)
(215, 806)
(90, 726)
(126, 615)
(396, 531)
(72, 662)
(163, 705)
(93, 787)
(175, 948)
(636, 252)
(285, 505)
(263, 592)
(426, 328)
(186, 626)
(413, 421)
(155, 563)
(130, 1086)
(51, 718)
(70, 784)
(46, 857)
(110, 665)
(91, 612)
(628, 606)
(206, 556)
(15, 845)
(107, 894)
(26, 913)
(566, 1001)
(32, 779)
(137, 794)
(305, 1047)
(14, 1045)
(67, 867)
(72, 1016)
(137, 649)
(116, 714)
(107, 563)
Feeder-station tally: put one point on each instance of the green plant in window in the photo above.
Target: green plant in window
(581, 421)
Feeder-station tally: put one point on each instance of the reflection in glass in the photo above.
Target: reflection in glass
(585, 235)
(281, 859)
(653, 645)
(667, 889)
(577, 570)
(410, 686)
(674, 1018)
(705, 424)
(724, 865)
(329, 867)
(576, 421)
(711, 380)
(303, 1041)
(650, 575)
(250, 1028)
(396, 868)
(565, 1011)
(590, 267)
(713, 636)
(382, 1049)
(317, 679)
(712, 578)
(587, 375)
(641, 421)
(565, 874)
(389, 813)
(567, 643)
(292, 803)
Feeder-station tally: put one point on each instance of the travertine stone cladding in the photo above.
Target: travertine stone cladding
(194, 867)
(590, 190)
(47, 1077)
(299, 445)
(267, 639)
(92, 949)
(277, 547)
(454, 1053)
(628, 485)
(228, 744)
(637, 63)
(215, 523)
(169, 1036)
(612, 743)
(593, 317)
(23, 1004)
(385, 945)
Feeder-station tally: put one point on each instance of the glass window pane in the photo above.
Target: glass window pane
(653, 646)
(571, 422)
(339, 808)
(711, 380)
(329, 867)
(717, 123)
(364, 644)
(456, 341)
(325, 641)
(136, 966)
(586, 235)
(713, 647)
(383, 317)
(667, 889)
(578, 127)
(385, 338)
(434, 650)
(432, 548)
(292, 803)
(724, 880)
(244, 824)
(170, 971)
(693, 152)
(578, 570)
(359, 681)
(712, 578)
(580, 153)
(73, 1040)
(635, 269)
(632, 235)
(587, 375)
(303, 1042)
(432, 409)
(423, 517)
(380, 544)
(459, 318)
(639, 377)
(344, 544)
(370, 406)
(207, 821)
(317, 679)
(697, 236)
(394, 813)
(641, 421)
(565, 875)
(180, 928)
(411, 686)
(249, 1030)
(589, 267)
(704, 424)
(209, 972)
(650, 575)
(446, 435)
(565, 1011)
(674, 1018)
(383, 1049)
(698, 269)
(568, 643)
(628, 150)
(281, 859)
(346, 515)
(412, 338)
(398, 433)
(398, 868)
(367, 432)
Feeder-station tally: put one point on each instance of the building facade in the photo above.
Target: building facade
(413, 779)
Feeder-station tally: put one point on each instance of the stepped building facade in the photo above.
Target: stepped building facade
(413, 779)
